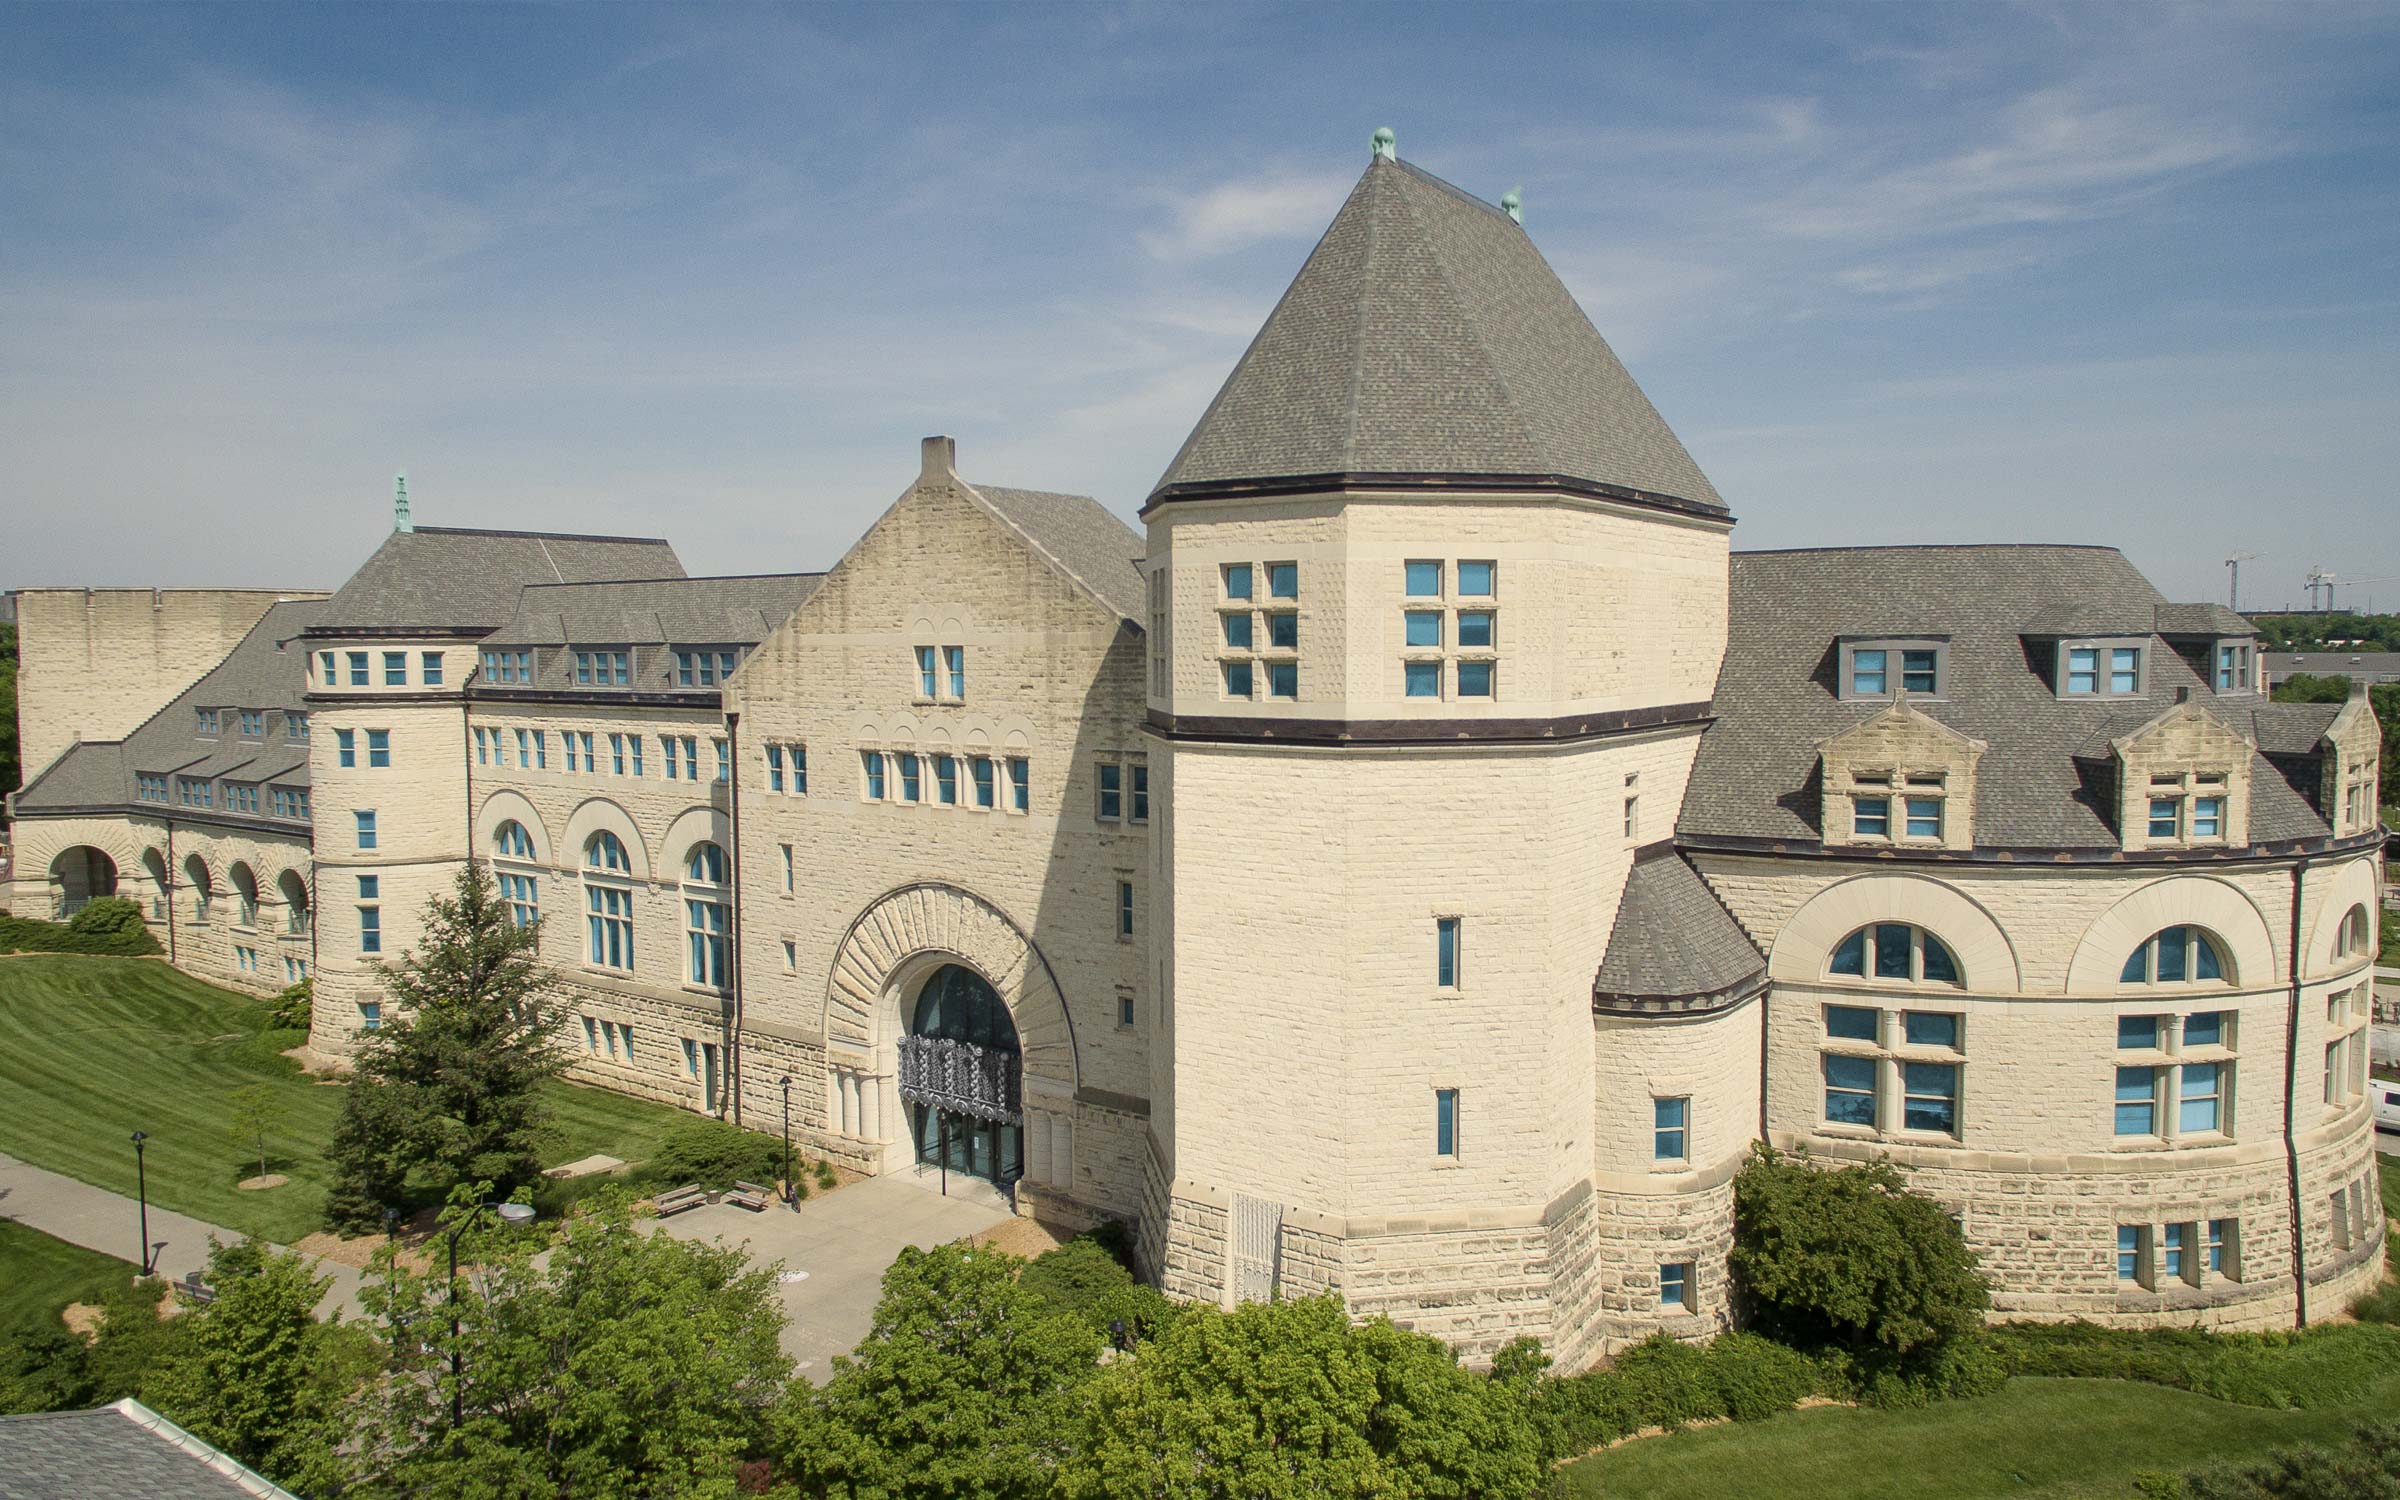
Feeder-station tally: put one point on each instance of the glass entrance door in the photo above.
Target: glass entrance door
(966, 1145)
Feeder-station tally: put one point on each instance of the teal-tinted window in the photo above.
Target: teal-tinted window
(379, 747)
(366, 827)
(1445, 959)
(1283, 631)
(1237, 629)
(1853, 1023)
(2135, 1033)
(1868, 675)
(1850, 1090)
(1929, 1028)
(2137, 1101)
(2129, 1251)
(1474, 679)
(925, 672)
(1929, 1096)
(954, 662)
(1891, 951)
(911, 784)
(2208, 817)
(1237, 580)
(1871, 816)
(345, 746)
(2124, 669)
(1669, 1129)
(358, 669)
(395, 669)
(1238, 680)
(1112, 789)
(2171, 1246)
(1475, 627)
(2166, 817)
(945, 780)
(1424, 627)
(1445, 1122)
(1283, 680)
(874, 767)
(1675, 1284)
(981, 767)
(1850, 956)
(2201, 1101)
(1283, 580)
(1475, 580)
(1424, 580)
(1423, 678)
(1924, 817)
(432, 665)
(2204, 1029)
(1020, 783)
(1919, 671)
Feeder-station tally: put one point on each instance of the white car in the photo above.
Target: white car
(2387, 1105)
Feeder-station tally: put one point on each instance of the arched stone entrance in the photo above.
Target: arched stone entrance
(961, 1078)
(81, 875)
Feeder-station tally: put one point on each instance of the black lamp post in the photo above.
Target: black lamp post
(509, 1213)
(141, 1178)
(789, 1196)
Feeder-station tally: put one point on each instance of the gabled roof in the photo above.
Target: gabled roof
(264, 671)
(1674, 947)
(1080, 537)
(736, 611)
(1426, 335)
(2202, 620)
(121, 1450)
(456, 580)
(1755, 776)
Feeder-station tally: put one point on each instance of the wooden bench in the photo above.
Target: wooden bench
(751, 1196)
(690, 1195)
(192, 1290)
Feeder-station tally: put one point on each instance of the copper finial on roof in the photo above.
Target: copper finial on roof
(1387, 145)
(400, 519)
(1512, 203)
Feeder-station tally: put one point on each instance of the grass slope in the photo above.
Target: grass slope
(39, 1276)
(2054, 1439)
(93, 1049)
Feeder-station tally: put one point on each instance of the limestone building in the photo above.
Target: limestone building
(1420, 864)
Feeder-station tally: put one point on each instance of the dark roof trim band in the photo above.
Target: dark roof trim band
(1564, 729)
(1432, 483)
(2264, 853)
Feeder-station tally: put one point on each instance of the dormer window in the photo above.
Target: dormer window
(2233, 666)
(1876, 669)
(206, 719)
(2100, 669)
(703, 668)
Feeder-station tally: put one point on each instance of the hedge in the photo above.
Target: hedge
(1662, 1383)
(2319, 1367)
(109, 926)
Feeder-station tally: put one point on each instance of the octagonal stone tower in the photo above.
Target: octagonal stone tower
(1437, 603)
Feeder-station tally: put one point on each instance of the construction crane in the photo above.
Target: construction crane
(2318, 578)
(2233, 588)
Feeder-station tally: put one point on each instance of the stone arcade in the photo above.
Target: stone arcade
(1421, 867)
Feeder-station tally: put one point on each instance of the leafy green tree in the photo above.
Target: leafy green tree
(1288, 1399)
(256, 1111)
(1849, 1257)
(254, 1372)
(1081, 1278)
(964, 1388)
(629, 1365)
(449, 1090)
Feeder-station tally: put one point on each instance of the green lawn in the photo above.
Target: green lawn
(39, 1276)
(2047, 1438)
(93, 1049)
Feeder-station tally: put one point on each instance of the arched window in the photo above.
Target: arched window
(959, 1005)
(513, 842)
(606, 852)
(1896, 950)
(706, 916)
(245, 890)
(295, 900)
(2177, 955)
(204, 889)
(607, 903)
(2354, 936)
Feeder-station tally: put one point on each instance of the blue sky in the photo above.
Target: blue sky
(1935, 273)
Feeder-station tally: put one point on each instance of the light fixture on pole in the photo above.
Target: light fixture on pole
(789, 1196)
(508, 1213)
(141, 1178)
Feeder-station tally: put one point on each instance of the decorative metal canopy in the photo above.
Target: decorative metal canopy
(964, 1077)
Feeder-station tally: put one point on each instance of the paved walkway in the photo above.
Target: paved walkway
(843, 1242)
(110, 1223)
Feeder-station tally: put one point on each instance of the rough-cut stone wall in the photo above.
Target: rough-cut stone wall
(2037, 1172)
(93, 664)
(1052, 676)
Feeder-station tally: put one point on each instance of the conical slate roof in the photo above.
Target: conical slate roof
(1426, 339)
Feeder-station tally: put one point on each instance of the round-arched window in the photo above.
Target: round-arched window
(2354, 936)
(707, 864)
(1896, 950)
(512, 841)
(707, 918)
(960, 1005)
(606, 852)
(2177, 955)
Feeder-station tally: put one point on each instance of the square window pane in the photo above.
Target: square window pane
(1917, 671)
(1283, 680)
(1854, 1023)
(1237, 630)
(1283, 631)
(2166, 817)
(1475, 579)
(1925, 1028)
(1424, 580)
(1237, 580)
(1474, 679)
(1283, 580)
(1424, 627)
(2124, 669)
(1925, 817)
(1930, 1097)
(1867, 676)
(2206, 1029)
(1475, 627)
(1237, 679)
(1871, 816)
(2137, 1031)
(2137, 1112)
(1424, 679)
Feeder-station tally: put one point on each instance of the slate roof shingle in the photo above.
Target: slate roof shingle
(1756, 773)
(1081, 537)
(460, 580)
(1674, 946)
(737, 611)
(120, 1450)
(1426, 335)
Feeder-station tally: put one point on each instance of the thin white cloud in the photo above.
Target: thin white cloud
(1236, 215)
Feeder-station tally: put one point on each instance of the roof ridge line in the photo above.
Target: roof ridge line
(1474, 325)
(1039, 550)
(555, 536)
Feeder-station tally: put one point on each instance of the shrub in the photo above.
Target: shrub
(1657, 1383)
(2321, 1367)
(716, 1154)
(826, 1181)
(295, 1006)
(1081, 1279)
(2365, 1468)
(1757, 1377)
(109, 926)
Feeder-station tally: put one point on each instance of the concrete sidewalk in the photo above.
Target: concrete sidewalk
(110, 1223)
(841, 1243)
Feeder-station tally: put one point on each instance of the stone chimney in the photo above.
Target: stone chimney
(939, 459)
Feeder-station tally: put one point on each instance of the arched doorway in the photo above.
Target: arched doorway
(81, 874)
(961, 1076)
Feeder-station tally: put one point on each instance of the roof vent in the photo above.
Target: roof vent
(1512, 203)
(1387, 145)
(400, 519)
